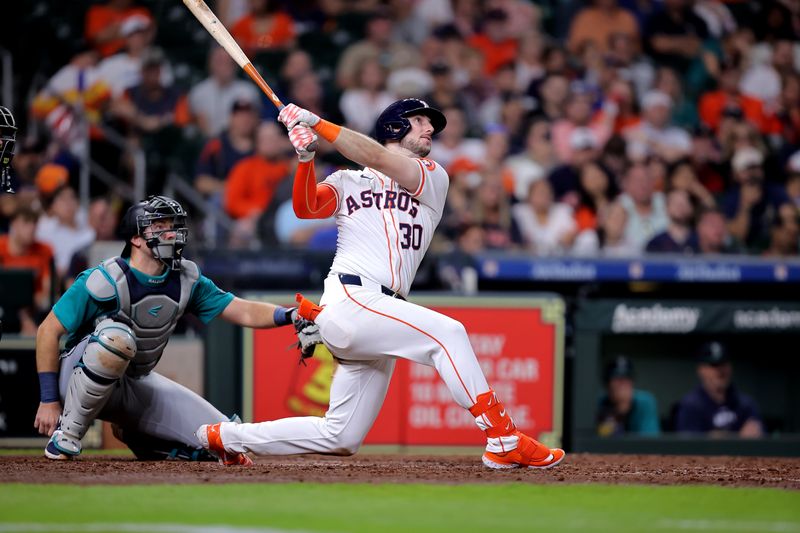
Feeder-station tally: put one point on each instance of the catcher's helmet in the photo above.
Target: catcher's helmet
(142, 214)
(393, 123)
(8, 139)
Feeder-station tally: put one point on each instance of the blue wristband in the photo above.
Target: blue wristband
(282, 316)
(48, 387)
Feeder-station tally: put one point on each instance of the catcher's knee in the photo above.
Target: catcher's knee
(111, 347)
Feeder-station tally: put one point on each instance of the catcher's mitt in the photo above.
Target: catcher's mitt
(307, 335)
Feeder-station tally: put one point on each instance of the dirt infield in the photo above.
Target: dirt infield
(577, 468)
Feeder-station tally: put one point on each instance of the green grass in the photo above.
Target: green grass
(402, 508)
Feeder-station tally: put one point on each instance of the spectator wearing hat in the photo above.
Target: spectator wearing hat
(220, 154)
(623, 409)
(751, 204)
(668, 142)
(265, 27)
(20, 249)
(377, 44)
(64, 226)
(123, 71)
(716, 407)
(104, 22)
(579, 115)
(211, 100)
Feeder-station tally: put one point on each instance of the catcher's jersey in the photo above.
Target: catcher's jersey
(384, 230)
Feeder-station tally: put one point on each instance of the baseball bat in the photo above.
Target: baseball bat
(220, 33)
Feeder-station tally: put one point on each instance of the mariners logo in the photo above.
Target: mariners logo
(154, 310)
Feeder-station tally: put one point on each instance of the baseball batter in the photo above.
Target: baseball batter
(119, 317)
(386, 215)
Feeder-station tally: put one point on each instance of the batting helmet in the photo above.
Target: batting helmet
(142, 214)
(393, 123)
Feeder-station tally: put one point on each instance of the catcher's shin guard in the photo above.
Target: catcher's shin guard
(110, 349)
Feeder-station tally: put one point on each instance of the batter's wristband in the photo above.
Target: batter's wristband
(327, 130)
(48, 387)
(282, 316)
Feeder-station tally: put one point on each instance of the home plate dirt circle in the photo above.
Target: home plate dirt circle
(577, 468)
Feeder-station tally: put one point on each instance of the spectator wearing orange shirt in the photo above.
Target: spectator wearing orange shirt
(594, 25)
(264, 28)
(20, 249)
(728, 97)
(493, 42)
(251, 183)
(104, 22)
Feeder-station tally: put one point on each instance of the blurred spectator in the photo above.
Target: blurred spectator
(522, 15)
(551, 96)
(579, 116)
(251, 184)
(494, 42)
(211, 100)
(711, 233)
(728, 98)
(444, 93)
(298, 63)
(792, 179)
(221, 153)
(787, 112)
(103, 216)
(76, 88)
(529, 64)
(293, 231)
(674, 35)
(645, 207)
(624, 54)
(609, 239)
(104, 22)
(20, 249)
(622, 408)
(716, 15)
(64, 226)
(683, 177)
(762, 80)
(670, 143)
(596, 192)
(363, 102)
(124, 70)
(620, 93)
(491, 209)
(565, 178)
(265, 27)
(677, 237)
(535, 162)
(149, 107)
(377, 44)
(716, 407)
(784, 233)
(751, 205)
(594, 26)
(452, 144)
(547, 227)
(684, 110)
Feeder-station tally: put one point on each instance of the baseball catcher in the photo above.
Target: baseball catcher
(118, 318)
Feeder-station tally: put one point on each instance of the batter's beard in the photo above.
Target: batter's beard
(416, 147)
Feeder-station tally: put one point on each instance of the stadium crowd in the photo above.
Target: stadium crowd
(587, 128)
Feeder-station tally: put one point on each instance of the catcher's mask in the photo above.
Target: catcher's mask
(167, 244)
(8, 140)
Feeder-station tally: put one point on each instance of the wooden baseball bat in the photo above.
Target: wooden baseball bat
(220, 33)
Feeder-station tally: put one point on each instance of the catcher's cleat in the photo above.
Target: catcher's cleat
(529, 453)
(210, 438)
(62, 447)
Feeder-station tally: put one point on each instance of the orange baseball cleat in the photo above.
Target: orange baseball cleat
(210, 438)
(529, 453)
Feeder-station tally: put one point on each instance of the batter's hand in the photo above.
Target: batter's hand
(47, 418)
(303, 138)
(291, 115)
(308, 335)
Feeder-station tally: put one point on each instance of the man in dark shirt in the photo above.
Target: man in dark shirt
(677, 238)
(674, 35)
(716, 407)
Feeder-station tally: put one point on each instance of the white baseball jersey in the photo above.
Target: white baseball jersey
(384, 229)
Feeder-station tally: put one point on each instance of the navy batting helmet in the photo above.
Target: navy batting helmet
(393, 123)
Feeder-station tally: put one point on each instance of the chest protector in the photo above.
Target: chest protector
(150, 311)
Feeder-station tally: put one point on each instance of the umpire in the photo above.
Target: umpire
(118, 318)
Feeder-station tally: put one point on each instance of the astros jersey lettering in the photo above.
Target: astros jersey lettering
(384, 229)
